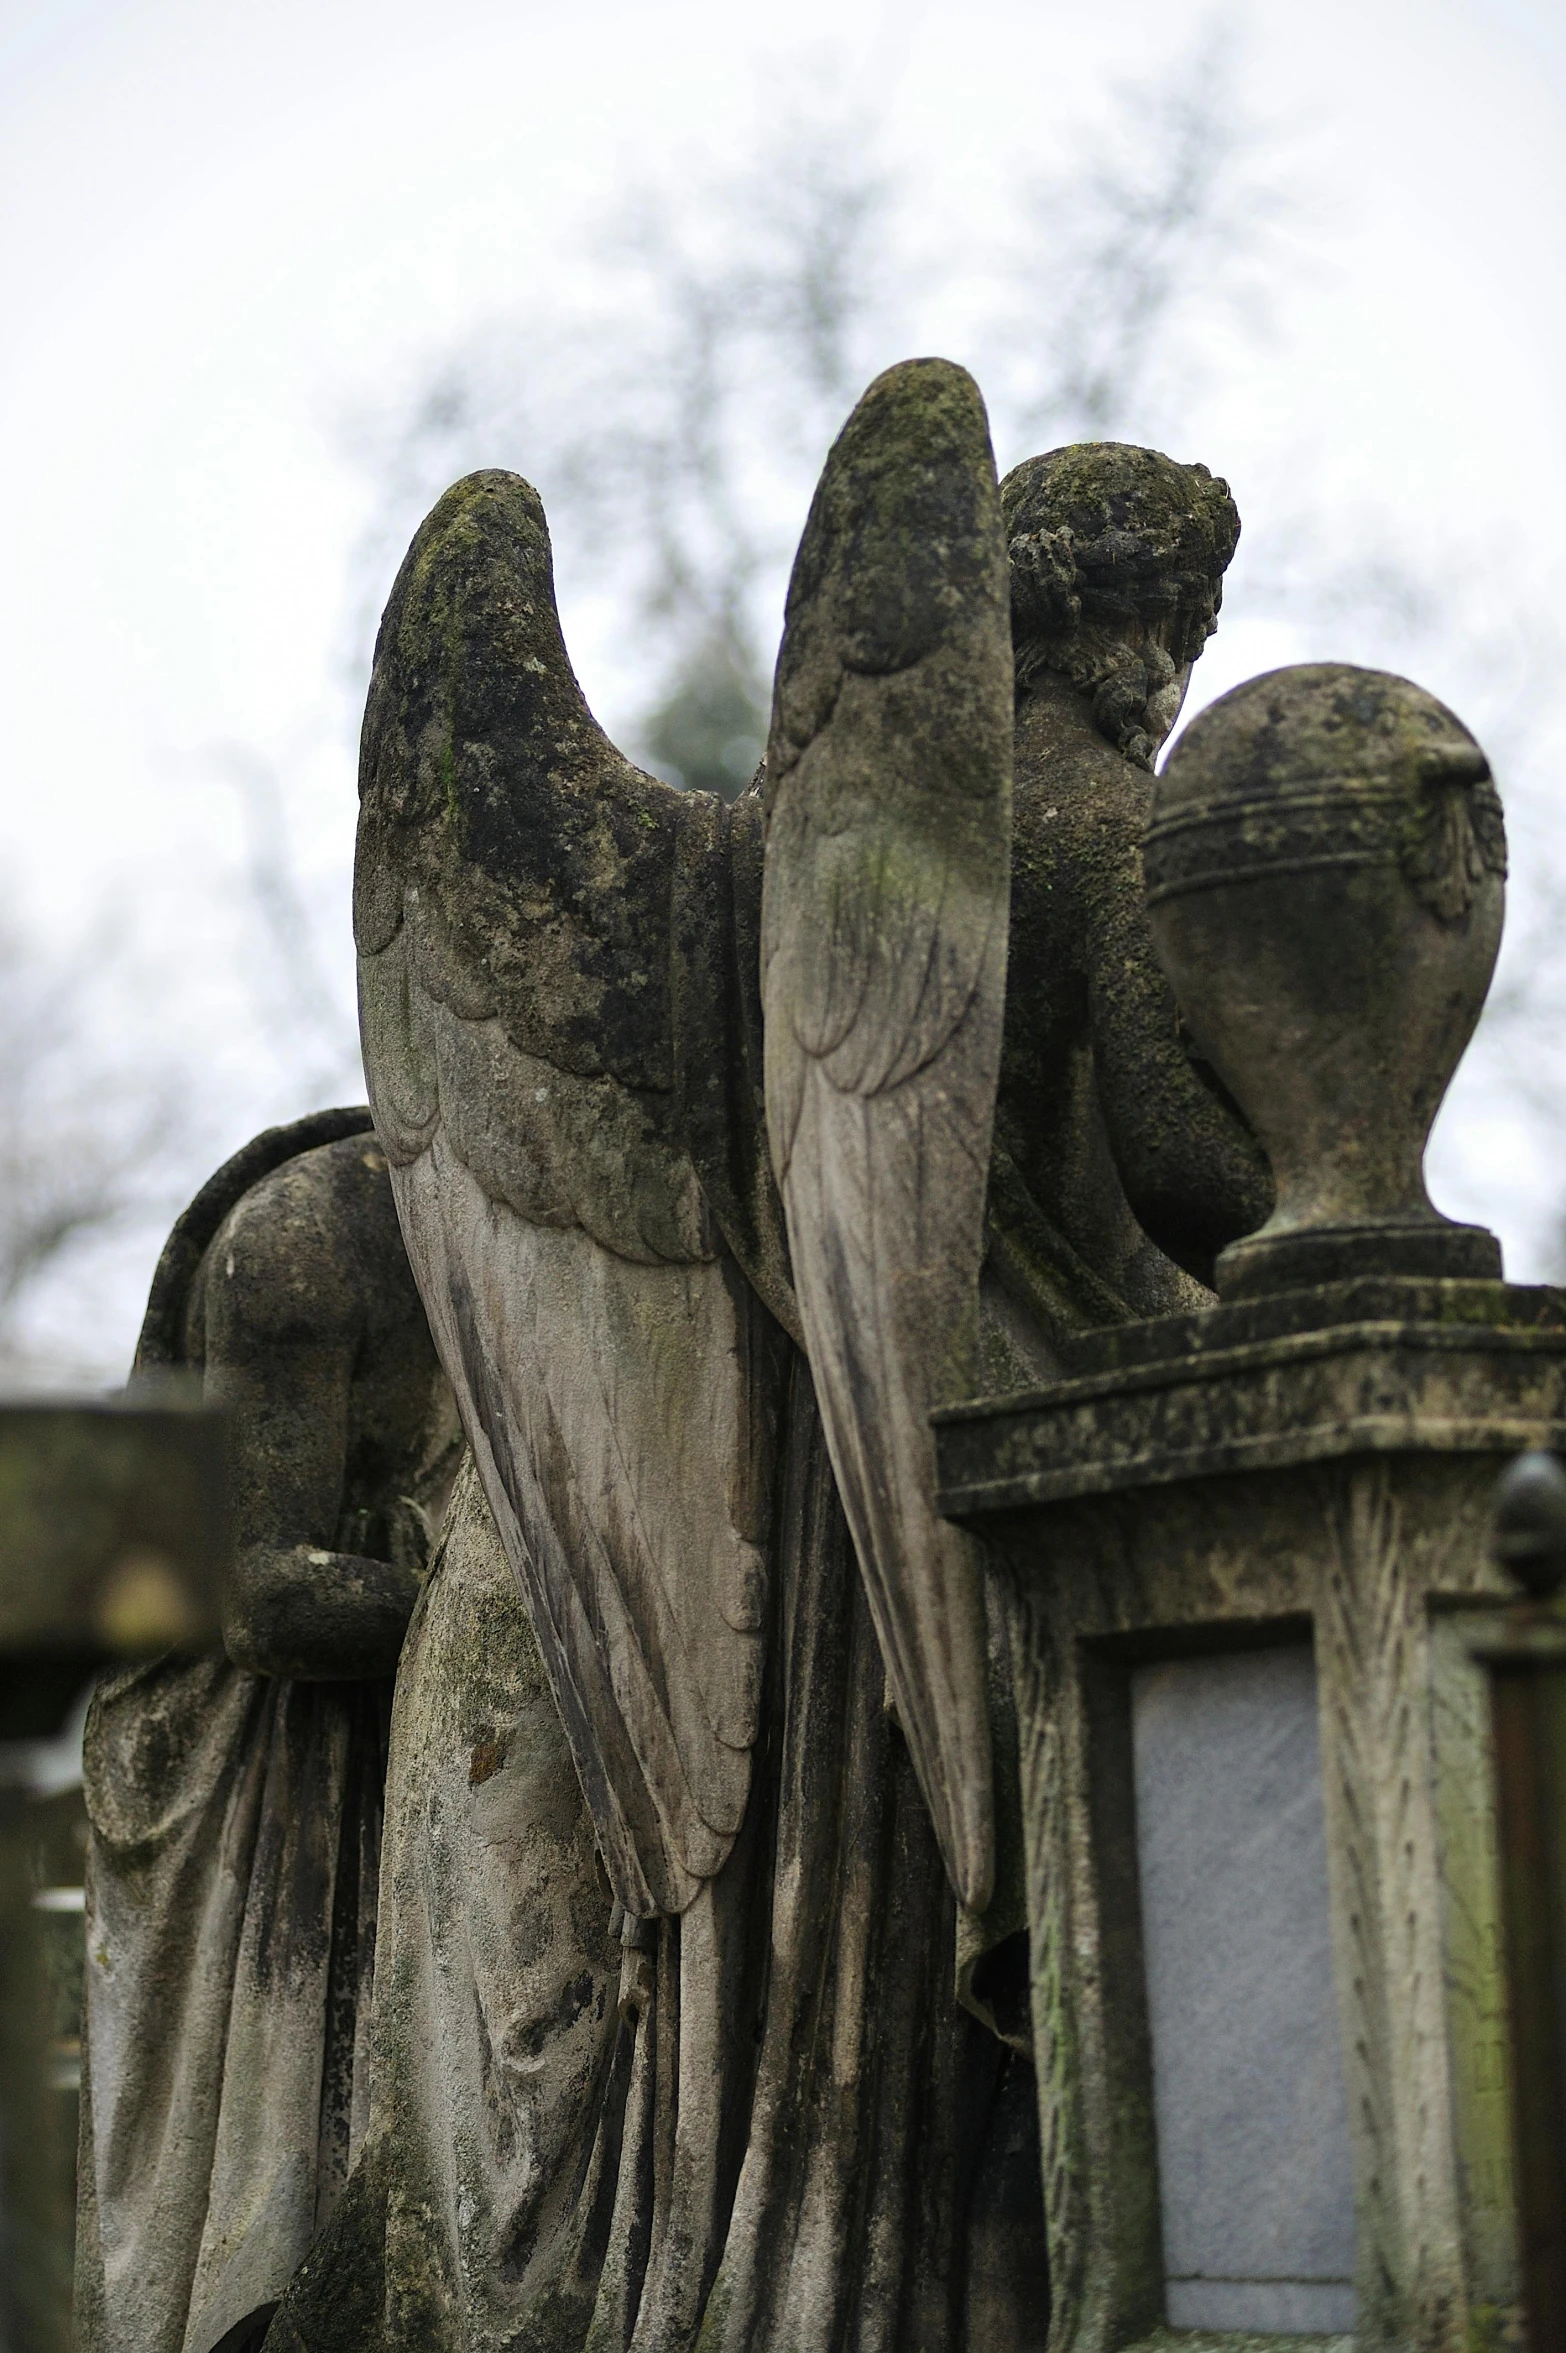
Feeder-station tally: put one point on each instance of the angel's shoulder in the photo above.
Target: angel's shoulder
(312, 1251)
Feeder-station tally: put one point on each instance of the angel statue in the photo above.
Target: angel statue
(726, 1143)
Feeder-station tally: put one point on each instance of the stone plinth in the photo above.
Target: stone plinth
(1309, 1477)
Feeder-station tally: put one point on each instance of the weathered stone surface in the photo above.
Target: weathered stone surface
(496, 1990)
(1112, 1126)
(883, 948)
(235, 1798)
(1363, 1547)
(1396, 1367)
(1325, 878)
(764, 2123)
(806, 2144)
(1242, 1474)
(113, 1541)
(1315, 1459)
(1471, 1947)
(600, 1277)
(516, 886)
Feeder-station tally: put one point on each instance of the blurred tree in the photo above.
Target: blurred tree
(83, 1143)
(677, 421)
(1163, 229)
(107, 1132)
(674, 402)
(710, 729)
(311, 1026)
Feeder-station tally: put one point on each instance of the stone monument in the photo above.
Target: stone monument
(845, 1886)
(234, 1796)
(701, 1989)
(1242, 1546)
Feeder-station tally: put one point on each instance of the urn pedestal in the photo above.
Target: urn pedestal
(1247, 1556)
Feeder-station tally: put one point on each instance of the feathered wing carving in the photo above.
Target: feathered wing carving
(512, 913)
(884, 931)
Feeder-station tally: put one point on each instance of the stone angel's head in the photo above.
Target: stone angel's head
(1117, 563)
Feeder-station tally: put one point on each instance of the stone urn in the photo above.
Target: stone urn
(1325, 881)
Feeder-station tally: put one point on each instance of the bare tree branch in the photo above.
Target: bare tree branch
(676, 424)
(1162, 228)
(83, 1139)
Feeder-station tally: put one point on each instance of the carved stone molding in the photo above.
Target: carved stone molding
(1213, 1483)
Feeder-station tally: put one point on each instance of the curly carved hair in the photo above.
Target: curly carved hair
(1101, 534)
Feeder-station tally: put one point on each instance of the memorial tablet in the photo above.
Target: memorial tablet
(1255, 2164)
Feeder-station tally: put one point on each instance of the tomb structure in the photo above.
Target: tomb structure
(1248, 1552)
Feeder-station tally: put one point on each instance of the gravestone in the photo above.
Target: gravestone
(1242, 1546)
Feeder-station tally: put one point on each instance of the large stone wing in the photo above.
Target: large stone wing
(884, 932)
(512, 911)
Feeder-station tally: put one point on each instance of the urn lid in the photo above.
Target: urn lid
(1324, 724)
(1352, 765)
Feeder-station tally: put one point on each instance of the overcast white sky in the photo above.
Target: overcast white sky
(226, 225)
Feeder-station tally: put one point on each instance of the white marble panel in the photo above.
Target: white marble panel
(1255, 2167)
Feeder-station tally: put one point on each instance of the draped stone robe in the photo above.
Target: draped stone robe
(765, 2124)
(234, 1855)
